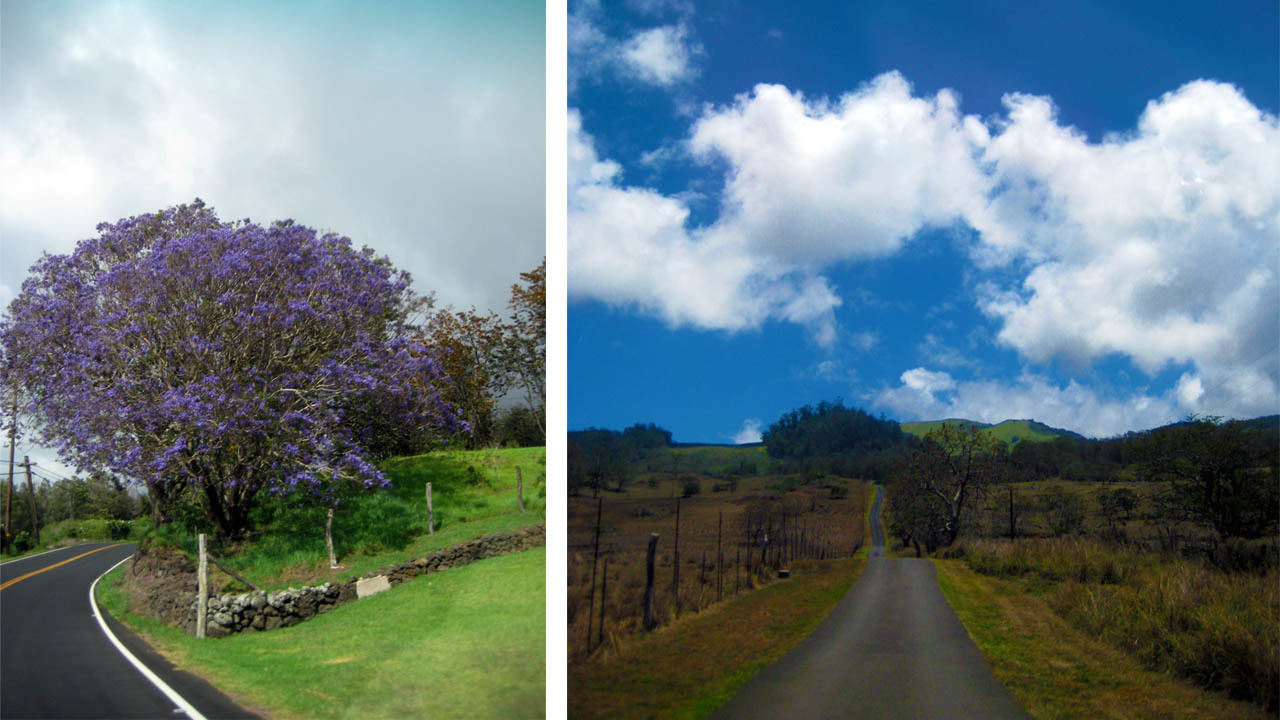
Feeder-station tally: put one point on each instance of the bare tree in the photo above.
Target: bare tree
(941, 477)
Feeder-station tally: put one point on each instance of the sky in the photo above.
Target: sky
(1067, 212)
(417, 129)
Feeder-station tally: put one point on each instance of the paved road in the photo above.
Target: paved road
(55, 660)
(892, 648)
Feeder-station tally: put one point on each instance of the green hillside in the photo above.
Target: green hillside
(1010, 431)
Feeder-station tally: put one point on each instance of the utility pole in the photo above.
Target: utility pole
(31, 490)
(8, 505)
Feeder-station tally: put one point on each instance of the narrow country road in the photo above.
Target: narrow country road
(892, 648)
(56, 661)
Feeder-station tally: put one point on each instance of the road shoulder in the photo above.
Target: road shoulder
(1054, 670)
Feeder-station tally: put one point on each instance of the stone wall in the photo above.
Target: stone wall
(228, 613)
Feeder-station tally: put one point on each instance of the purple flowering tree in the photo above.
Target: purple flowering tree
(224, 360)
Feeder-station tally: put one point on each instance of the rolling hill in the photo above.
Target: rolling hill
(1010, 431)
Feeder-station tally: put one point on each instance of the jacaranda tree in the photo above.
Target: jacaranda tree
(223, 359)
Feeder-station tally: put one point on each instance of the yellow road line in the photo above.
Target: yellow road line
(20, 578)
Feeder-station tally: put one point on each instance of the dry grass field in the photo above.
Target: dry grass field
(721, 546)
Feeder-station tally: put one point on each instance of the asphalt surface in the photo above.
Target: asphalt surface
(892, 648)
(56, 662)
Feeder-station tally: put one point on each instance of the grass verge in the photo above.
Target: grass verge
(473, 493)
(1056, 671)
(465, 643)
(689, 668)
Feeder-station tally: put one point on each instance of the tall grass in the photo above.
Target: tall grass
(1218, 629)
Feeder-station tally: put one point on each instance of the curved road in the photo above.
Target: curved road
(892, 648)
(55, 660)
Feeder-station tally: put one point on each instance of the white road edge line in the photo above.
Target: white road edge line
(169, 692)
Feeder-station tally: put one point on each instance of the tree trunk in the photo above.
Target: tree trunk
(328, 540)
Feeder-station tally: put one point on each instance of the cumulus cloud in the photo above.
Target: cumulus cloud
(1159, 245)
(930, 395)
(812, 182)
(631, 246)
(749, 432)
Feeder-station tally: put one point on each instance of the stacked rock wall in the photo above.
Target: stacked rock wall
(229, 613)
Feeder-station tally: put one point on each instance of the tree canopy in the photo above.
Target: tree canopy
(224, 358)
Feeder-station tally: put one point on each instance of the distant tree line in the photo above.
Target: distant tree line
(608, 459)
(836, 439)
(1222, 476)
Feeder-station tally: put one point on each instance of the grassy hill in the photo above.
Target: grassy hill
(475, 634)
(1010, 431)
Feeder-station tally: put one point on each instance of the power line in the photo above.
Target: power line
(1230, 377)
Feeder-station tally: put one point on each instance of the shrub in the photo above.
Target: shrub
(692, 487)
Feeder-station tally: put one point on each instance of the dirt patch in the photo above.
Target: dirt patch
(159, 582)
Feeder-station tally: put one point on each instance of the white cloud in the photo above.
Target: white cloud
(929, 395)
(927, 382)
(748, 433)
(813, 182)
(660, 56)
(1162, 245)
(630, 246)
(111, 110)
(810, 183)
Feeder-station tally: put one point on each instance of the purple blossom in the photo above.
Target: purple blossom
(229, 357)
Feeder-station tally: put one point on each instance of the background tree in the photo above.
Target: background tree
(185, 352)
(1224, 475)
(468, 345)
(941, 476)
(523, 353)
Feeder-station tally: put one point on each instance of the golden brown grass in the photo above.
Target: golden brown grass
(1220, 630)
(1057, 671)
(695, 664)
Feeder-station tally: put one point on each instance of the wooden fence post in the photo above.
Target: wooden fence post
(604, 595)
(431, 513)
(737, 558)
(649, 621)
(202, 581)
(675, 583)
(595, 557)
(328, 540)
(720, 559)
(519, 489)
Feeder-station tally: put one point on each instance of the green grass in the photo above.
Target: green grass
(1010, 431)
(465, 643)
(74, 532)
(473, 494)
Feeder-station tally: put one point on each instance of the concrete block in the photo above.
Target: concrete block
(371, 586)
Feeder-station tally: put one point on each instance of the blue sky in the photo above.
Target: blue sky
(983, 210)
